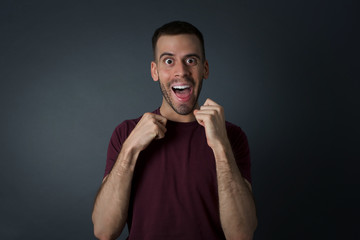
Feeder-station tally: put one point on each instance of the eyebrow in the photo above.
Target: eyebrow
(186, 56)
(166, 54)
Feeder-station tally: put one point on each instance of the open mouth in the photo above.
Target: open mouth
(182, 92)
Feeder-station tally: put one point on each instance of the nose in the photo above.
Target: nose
(181, 70)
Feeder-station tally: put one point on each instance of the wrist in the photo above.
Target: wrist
(222, 148)
(128, 157)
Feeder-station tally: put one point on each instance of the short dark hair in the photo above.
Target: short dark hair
(176, 28)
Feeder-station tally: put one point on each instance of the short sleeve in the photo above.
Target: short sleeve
(240, 147)
(118, 137)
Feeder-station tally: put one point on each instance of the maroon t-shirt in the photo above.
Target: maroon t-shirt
(174, 190)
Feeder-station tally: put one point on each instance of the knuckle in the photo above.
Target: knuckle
(207, 117)
(154, 127)
(146, 115)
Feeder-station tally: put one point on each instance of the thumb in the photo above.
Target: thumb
(198, 118)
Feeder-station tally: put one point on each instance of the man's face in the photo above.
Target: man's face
(180, 68)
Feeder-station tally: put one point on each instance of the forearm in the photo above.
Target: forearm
(237, 207)
(112, 202)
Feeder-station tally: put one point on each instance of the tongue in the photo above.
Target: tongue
(182, 94)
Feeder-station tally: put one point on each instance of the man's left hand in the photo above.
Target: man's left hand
(211, 116)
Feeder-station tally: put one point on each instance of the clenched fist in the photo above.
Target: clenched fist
(151, 126)
(211, 116)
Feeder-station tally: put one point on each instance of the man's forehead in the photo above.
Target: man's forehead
(178, 43)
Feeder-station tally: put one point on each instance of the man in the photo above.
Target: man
(182, 171)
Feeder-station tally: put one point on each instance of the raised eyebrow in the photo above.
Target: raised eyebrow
(192, 55)
(186, 56)
(166, 54)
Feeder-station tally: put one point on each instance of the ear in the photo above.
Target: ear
(154, 72)
(206, 69)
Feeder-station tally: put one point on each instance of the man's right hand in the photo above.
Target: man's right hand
(151, 126)
(112, 202)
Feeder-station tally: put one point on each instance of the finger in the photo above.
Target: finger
(209, 102)
(160, 134)
(204, 118)
(196, 111)
(201, 122)
(160, 119)
(210, 108)
(201, 118)
(211, 112)
(216, 108)
(160, 127)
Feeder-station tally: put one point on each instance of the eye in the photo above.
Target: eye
(168, 61)
(191, 61)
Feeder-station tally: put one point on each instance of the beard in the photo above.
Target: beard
(185, 108)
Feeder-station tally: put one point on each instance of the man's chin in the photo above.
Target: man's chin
(184, 109)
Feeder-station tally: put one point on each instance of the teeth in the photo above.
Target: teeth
(180, 87)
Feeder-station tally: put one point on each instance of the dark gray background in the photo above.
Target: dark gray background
(285, 71)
